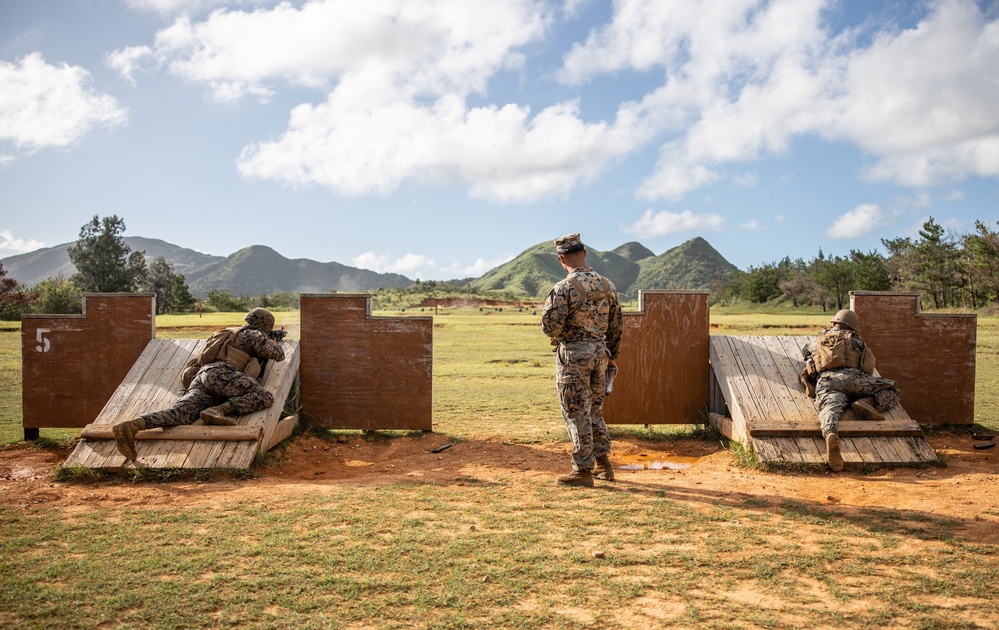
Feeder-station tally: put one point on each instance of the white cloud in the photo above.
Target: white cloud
(862, 220)
(424, 267)
(407, 265)
(752, 226)
(476, 269)
(398, 75)
(44, 105)
(10, 246)
(661, 223)
(744, 79)
(954, 195)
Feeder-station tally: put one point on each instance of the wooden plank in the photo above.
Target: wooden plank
(282, 431)
(845, 430)
(79, 455)
(921, 449)
(813, 449)
(772, 380)
(731, 380)
(865, 448)
(720, 423)
(183, 432)
(757, 385)
(789, 450)
(238, 456)
(766, 449)
(849, 451)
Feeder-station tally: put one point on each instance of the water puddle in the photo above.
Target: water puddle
(654, 461)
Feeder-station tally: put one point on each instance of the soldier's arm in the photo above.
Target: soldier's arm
(615, 327)
(554, 314)
(266, 348)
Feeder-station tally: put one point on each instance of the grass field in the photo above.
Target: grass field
(488, 553)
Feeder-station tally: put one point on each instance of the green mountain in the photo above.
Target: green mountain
(692, 265)
(631, 267)
(635, 252)
(258, 269)
(31, 268)
(250, 271)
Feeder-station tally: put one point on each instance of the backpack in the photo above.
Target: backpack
(216, 346)
(834, 349)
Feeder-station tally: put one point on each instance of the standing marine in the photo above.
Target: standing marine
(844, 368)
(222, 385)
(582, 315)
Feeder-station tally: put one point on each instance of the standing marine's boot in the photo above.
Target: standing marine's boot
(865, 409)
(604, 469)
(218, 415)
(124, 436)
(577, 478)
(832, 452)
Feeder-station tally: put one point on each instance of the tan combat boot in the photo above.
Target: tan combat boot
(832, 452)
(577, 478)
(865, 409)
(217, 415)
(124, 436)
(604, 469)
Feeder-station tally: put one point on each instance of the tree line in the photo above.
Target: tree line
(947, 270)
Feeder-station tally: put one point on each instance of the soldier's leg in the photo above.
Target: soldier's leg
(239, 394)
(245, 395)
(601, 438)
(831, 404)
(572, 380)
(184, 411)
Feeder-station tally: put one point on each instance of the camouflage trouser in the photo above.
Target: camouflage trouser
(581, 366)
(215, 384)
(836, 389)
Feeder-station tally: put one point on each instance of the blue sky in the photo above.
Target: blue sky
(440, 138)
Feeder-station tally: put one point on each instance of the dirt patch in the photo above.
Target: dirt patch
(689, 470)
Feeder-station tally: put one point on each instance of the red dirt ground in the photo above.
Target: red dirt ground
(966, 488)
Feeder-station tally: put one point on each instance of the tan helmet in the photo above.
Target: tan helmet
(847, 318)
(260, 319)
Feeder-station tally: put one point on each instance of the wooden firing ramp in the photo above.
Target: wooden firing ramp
(757, 377)
(154, 383)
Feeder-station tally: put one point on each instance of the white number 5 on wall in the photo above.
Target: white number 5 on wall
(43, 342)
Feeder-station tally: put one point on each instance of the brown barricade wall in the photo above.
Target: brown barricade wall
(931, 356)
(72, 364)
(664, 363)
(364, 372)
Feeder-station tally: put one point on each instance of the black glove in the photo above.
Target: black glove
(278, 335)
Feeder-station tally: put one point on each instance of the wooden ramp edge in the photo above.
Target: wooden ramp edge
(761, 403)
(154, 383)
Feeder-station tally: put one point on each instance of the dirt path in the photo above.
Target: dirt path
(967, 488)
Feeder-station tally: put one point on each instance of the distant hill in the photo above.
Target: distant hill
(31, 268)
(258, 269)
(631, 267)
(250, 271)
(691, 265)
(635, 252)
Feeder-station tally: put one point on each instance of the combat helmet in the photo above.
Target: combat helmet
(260, 319)
(847, 318)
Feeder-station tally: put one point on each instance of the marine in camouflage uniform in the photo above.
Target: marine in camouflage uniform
(587, 326)
(838, 388)
(218, 390)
